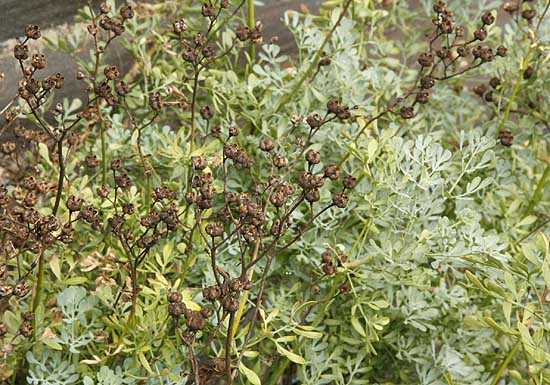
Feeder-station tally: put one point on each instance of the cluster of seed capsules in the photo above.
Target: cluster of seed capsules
(263, 210)
(450, 54)
(197, 47)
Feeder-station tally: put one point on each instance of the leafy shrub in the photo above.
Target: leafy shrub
(371, 208)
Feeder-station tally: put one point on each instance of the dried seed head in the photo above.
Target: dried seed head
(111, 72)
(208, 10)
(506, 138)
(313, 195)
(242, 33)
(74, 204)
(6, 291)
(314, 121)
(426, 59)
(92, 161)
(480, 89)
(422, 97)
(126, 12)
(206, 312)
(427, 82)
(116, 164)
(407, 112)
(104, 8)
(21, 52)
(33, 32)
(313, 157)
(488, 18)
(480, 34)
(26, 329)
(211, 293)
(440, 7)
(215, 229)
(332, 172)
(329, 268)
(179, 26)
(350, 181)
(267, 145)
(39, 61)
(333, 106)
(340, 200)
(502, 51)
(21, 289)
(495, 82)
(280, 161)
(326, 256)
(176, 309)
(155, 102)
(195, 321)
(199, 163)
(344, 288)
(175, 297)
(122, 88)
(230, 304)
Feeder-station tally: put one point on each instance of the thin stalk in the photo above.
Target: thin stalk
(515, 91)
(39, 281)
(524, 66)
(103, 154)
(61, 174)
(279, 370)
(251, 26)
(505, 363)
(228, 343)
(313, 65)
(537, 196)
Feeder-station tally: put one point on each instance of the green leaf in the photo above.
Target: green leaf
(75, 281)
(52, 344)
(357, 326)
(308, 334)
(145, 363)
(291, 356)
(249, 374)
(55, 267)
(285, 339)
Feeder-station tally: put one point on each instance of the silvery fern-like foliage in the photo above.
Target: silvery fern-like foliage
(50, 368)
(78, 318)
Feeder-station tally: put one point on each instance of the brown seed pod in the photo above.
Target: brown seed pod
(267, 145)
(407, 112)
(313, 156)
(506, 138)
(176, 309)
(315, 121)
(340, 200)
(33, 32)
(175, 297)
(488, 18)
(426, 59)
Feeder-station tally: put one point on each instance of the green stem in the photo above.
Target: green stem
(524, 65)
(314, 63)
(251, 26)
(39, 281)
(103, 154)
(279, 371)
(515, 91)
(537, 196)
(505, 363)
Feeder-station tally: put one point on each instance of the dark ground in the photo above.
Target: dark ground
(16, 14)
